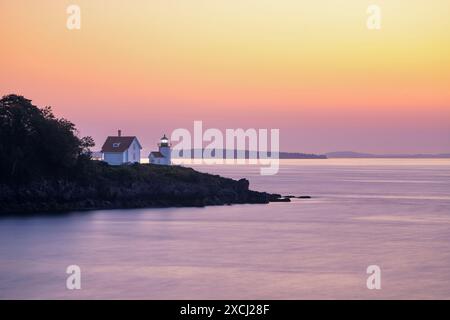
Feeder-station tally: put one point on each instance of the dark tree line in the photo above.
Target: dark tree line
(34, 144)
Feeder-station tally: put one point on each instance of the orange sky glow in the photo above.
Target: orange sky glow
(310, 68)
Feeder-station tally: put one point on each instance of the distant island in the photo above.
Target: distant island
(46, 167)
(335, 155)
(351, 154)
(298, 155)
(254, 154)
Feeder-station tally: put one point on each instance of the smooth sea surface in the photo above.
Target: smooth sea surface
(394, 213)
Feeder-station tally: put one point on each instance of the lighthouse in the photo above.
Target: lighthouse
(163, 156)
(164, 148)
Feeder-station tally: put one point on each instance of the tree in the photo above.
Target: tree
(35, 144)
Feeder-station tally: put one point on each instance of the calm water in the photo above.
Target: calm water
(392, 213)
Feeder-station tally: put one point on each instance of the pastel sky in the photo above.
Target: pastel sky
(310, 68)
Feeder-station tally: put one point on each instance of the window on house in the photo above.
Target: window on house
(116, 145)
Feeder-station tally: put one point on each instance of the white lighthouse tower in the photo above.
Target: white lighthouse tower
(163, 156)
(164, 148)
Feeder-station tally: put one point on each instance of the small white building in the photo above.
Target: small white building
(119, 150)
(163, 156)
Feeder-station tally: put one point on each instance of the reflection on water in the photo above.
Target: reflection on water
(364, 212)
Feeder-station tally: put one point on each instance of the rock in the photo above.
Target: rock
(280, 199)
(297, 197)
(131, 187)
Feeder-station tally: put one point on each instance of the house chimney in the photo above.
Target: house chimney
(119, 133)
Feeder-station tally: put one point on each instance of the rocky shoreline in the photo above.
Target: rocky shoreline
(131, 186)
(46, 167)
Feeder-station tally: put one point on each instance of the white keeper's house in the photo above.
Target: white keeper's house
(163, 156)
(120, 149)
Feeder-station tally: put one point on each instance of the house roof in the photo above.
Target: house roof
(118, 144)
(156, 154)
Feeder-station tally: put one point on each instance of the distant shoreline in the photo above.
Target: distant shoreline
(329, 155)
(358, 155)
